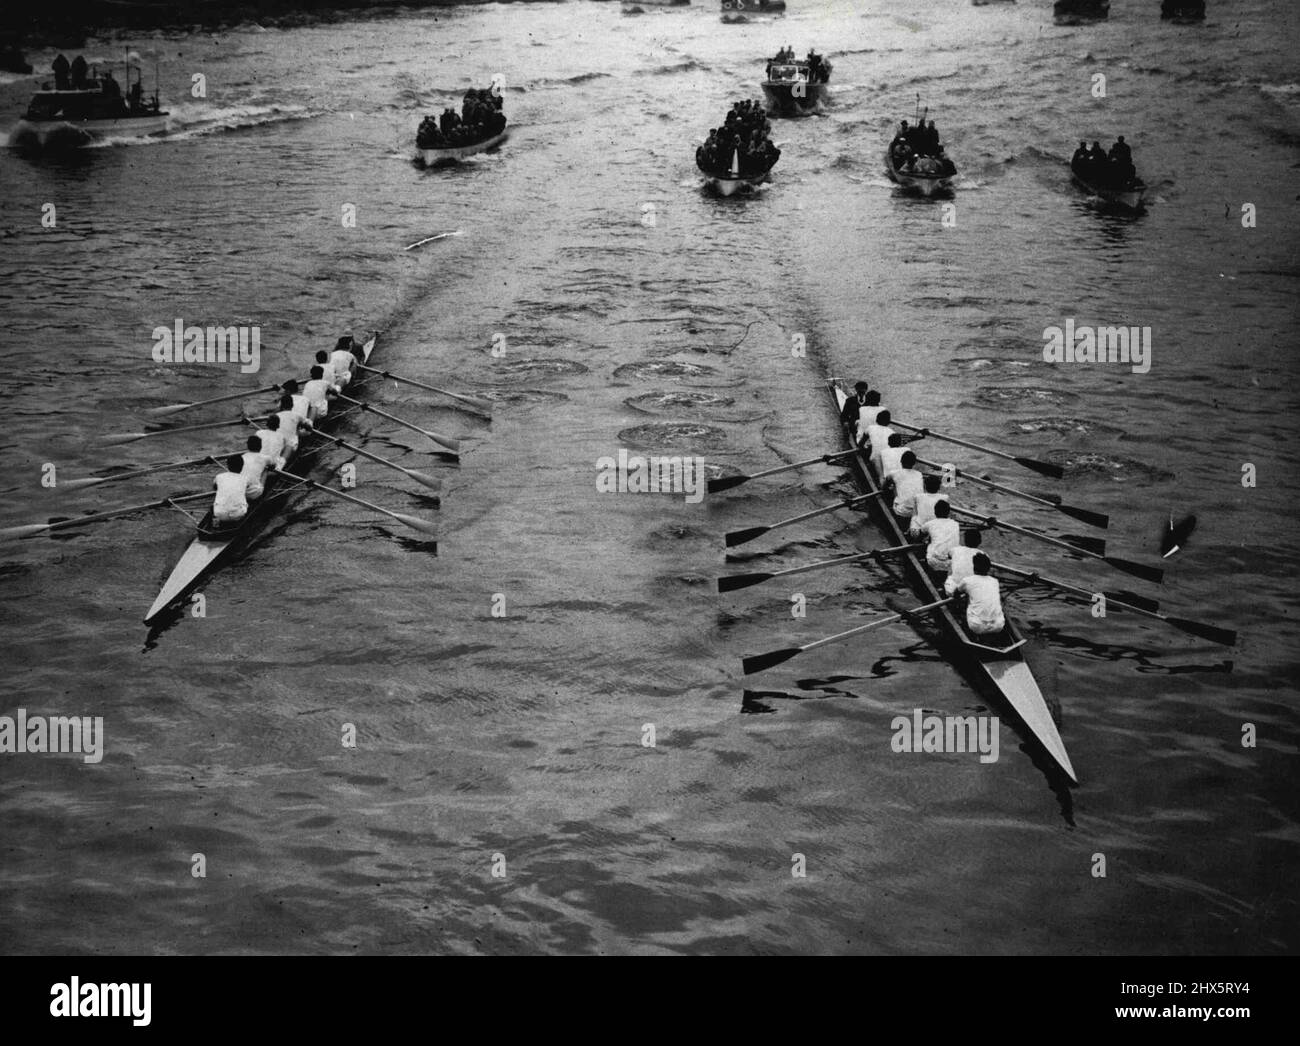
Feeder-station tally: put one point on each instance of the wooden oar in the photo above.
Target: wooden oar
(1045, 468)
(736, 581)
(740, 537)
(452, 445)
(1081, 545)
(81, 484)
(63, 524)
(714, 486)
(1083, 515)
(176, 408)
(419, 477)
(1196, 628)
(759, 662)
(118, 438)
(414, 522)
(481, 405)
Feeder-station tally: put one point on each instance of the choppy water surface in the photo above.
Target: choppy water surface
(521, 735)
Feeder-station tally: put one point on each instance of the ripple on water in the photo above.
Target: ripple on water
(661, 402)
(663, 369)
(534, 369)
(523, 396)
(1065, 426)
(1117, 468)
(1002, 396)
(674, 435)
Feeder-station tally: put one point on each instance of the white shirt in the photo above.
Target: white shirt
(301, 404)
(878, 436)
(908, 485)
(891, 459)
(316, 393)
(272, 445)
(342, 363)
(254, 473)
(944, 534)
(925, 502)
(867, 418)
(289, 422)
(961, 566)
(984, 609)
(328, 373)
(231, 501)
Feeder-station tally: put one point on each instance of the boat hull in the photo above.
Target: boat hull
(45, 134)
(994, 664)
(921, 185)
(1080, 12)
(1126, 199)
(212, 546)
(731, 186)
(783, 99)
(439, 157)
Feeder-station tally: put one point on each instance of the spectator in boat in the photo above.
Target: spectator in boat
(111, 87)
(1080, 157)
(1097, 157)
(60, 68)
(272, 442)
(925, 501)
(962, 559)
(946, 167)
(137, 96)
(941, 535)
(254, 470)
(231, 502)
(907, 483)
(902, 135)
(983, 598)
(78, 71)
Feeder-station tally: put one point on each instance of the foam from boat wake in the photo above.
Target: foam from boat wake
(523, 396)
(1064, 426)
(657, 402)
(645, 369)
(1002, 396)
(1120, 469)
(681, 437)
(534, 369)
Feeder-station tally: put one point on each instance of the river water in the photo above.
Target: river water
(604, 301)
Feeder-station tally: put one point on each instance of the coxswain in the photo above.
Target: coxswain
(941, 536)
(291, 424)
(853, 405)
(231, 503)
(272, 442)
(983, 598)
(300, 403)
(878, 435)
(254, 471)
(907, 483)
(925, 501)
(891, 457)
(962, 560)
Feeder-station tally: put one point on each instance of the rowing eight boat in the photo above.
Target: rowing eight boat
(996, 662)
(212, 545)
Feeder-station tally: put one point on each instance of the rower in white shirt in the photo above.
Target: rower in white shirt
(254, 471)
(323, 362)
(907, 483)
(983, 599)
(941, 535)
(892, 456)
(878, 433)
(272, 441)
(962, 560)
(231, 502)
(291, 424)
(300, 404)
(867, 416)
(344, 360)
(925, 502)
(318, 392)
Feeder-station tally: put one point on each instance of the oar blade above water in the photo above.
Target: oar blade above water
(1224, 636)
(1093, 546)
(716, 486)
(1043, 468)
(738, 581)
(25, 531)
(740, 537)
(1083, 515)
(1133, 600)
(424, 480)
(424, 526)
(1153, 574)
(761, 662)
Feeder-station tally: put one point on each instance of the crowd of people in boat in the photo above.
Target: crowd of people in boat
(745, 138)
(917, 150)
(819, 70)
(276, 441)
(480, 118)
(1106, 170)
(924, 510)
(79, 75)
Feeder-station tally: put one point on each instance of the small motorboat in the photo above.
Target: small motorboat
(78, 111)
(796, 87)
(1127, 195)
